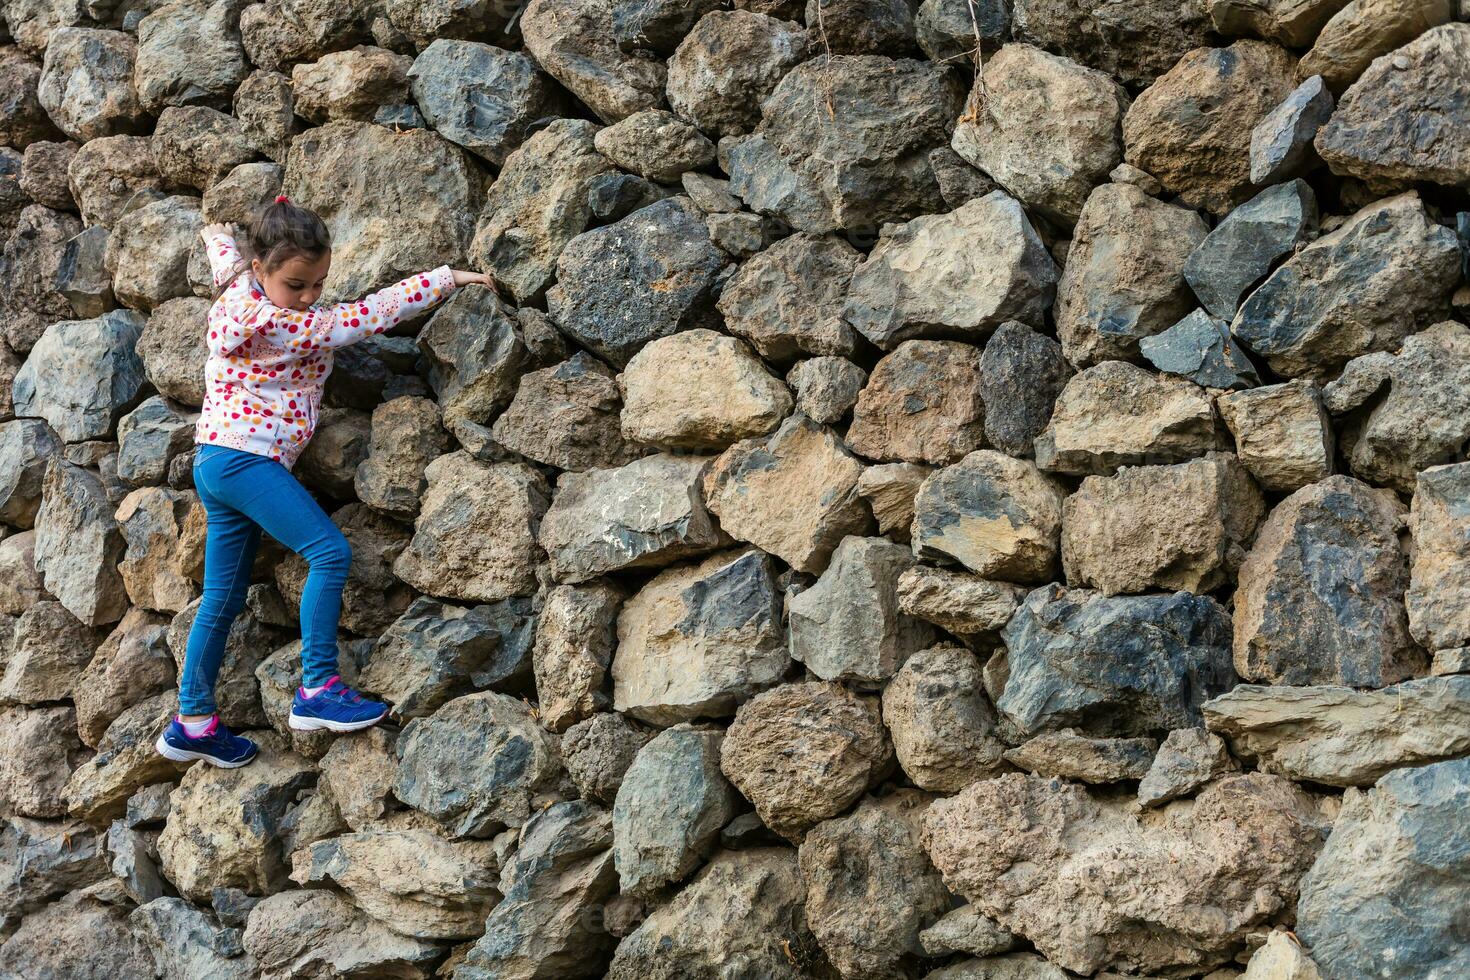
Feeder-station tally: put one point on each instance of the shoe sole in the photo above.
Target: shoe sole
(302, 723)
(179, 755)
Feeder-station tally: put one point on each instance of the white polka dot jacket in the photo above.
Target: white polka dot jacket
(267, 365)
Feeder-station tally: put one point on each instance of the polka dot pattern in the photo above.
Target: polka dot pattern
(267, 366)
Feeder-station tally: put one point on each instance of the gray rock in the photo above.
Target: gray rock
(81, 275)
(1200, 348)
(922, 404)
(1124, 276)
(1281, 432)
(670, 808)
(963, 604)
(23, 119)
(645, 514)
(946, 29)
(605, 297)
(149, 251)
(420, 24)
(1321, 595)
(788, 300)
(537, 206)
(555, 886)
(598, 751)
(30, 264)
(942, 724)
(474, 355)
(189, 53)
(1021, 374)
(41, 860)
(1378, 854)
(305, 931)
(612, 197)
(826, 388)
(1246, 245)
(106, 173)
(1437, 617)
(78, 544)
(479, 794)
(195, 146)
(266, 109)
(727, 65)
(576, 632)
(1388, 271)
(710, 194)
(132, 863)
(43, 174)
(575, 43)
(965, 930)
(959, 182)
(26, 448)
(241, 193)
(697, 641)
(656, 25)
(1187, 760)
(1125, 666)
(1134, 41)
(1068, 755)
(184, 941)
(86, 84)
(917, 280)
(148, 439)
(1281, 143)
(1338, 736)
(567, 416)
(482, 97)
(770, 186)
(126, 761)
(864, 26)
(82, 937)
(655, 144)
(741, 234)
(848, 626)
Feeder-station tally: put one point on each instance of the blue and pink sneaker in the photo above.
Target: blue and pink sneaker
(218, 746)
(336, 708)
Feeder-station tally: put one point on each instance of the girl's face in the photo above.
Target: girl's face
(296, 283)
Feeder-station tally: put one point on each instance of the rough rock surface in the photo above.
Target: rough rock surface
(1282, 434)
(788, 299)
(1067, 755)
(942, 724)
(1187, 760)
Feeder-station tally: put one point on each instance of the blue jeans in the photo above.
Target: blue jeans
(243, 494)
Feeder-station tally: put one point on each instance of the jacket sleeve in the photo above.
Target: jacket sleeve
(224, 257)
(326, 327)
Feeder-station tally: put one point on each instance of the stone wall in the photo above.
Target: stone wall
(904, 519)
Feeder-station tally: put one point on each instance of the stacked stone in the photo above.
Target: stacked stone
(965, 489)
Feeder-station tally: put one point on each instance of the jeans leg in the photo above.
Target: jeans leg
(274, 499)
(230, 543)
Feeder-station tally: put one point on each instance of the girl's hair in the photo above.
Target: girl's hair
(281, 231)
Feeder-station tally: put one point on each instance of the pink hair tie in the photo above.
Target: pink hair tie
(281, 199)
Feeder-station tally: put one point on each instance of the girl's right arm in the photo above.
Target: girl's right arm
(329, 327)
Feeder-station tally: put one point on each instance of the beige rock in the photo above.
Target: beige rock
(574, 44)
(408, 435)
(804, 752)
(1281, 958)
(358, 772)
(1292, 23)
(1192, 128)
(1103, 885)
(575, 636)
(1281, 434)
(155, 569)
(921, 405)
(46, 651)
(1049, 160)
(350, 84)
(826, 387)
(723, 393)
(131, 665)
(787, 300)
(964, 604)
(792, 493)
(39, 749)
(1066, 754)
(889, 490)
(942, 723)
(20, 581)
(1185, 526)
(1438, 616)
(1117, 414)
(126, 761)
(1365, 29)
(107, 172)
(1341, 737)
(999, 517)
(319, 932)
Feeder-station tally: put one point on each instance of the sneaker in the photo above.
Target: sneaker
(336, 708)
(218, 746)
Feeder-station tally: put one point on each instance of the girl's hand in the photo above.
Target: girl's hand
(209, 231)
(462, 278)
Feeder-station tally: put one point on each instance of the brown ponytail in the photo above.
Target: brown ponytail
(281, 231)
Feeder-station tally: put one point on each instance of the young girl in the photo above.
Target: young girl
(270, 351)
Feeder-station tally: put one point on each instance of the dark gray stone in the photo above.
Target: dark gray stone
(605, 297)
(729, 63)
(30, 295)
(598, 751)
(1133, 41)
(959, 180)
(185, 942)
(657, 25)
(946, 29)
(26, 446)
(1281, 143)
(42, 859)
(1242, 249)
(399, 117)
(1386, 895)
(364, 374)
(883, 27)
(232, 906)
(1121, 666)
(473, 349)
(149, 437)
(1021, 374)
(612, 197)
(1200, 348)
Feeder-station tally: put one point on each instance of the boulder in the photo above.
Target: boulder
(414, 881)
(788, 300)
(81, 937)
(1192, 128)
(195, 146)
(357, 774)
(1124, 276)
(922, 404)
(1281, 143)
(656, 27)
(317, 931)
(1338, 736)
(655, 144)
(185, 941)
(43, 859)
(173, 350)
(126, 761)
(576, 632)
(826, 388)
(863, 26)
(1437, 617)
(1291, 23)
(1321, 593)
(474, 354)
(792, 493)
(699, 640)
(421, 23)
(80, 408)
(479, 794)
(156, 568)
(727, 65)
(1185, 526)
(26, 448)
(30, 263)
(567, 416)
(20, 581)
(1117, 414)
(997, 516)
(890, 489)
(1105, 884)
(556, 888)
(340, 445)
(1244, 247)
(1021, 374)
(942, 724)
(575, 43)
(1364, 287)
(1049, 164)
(598, 751)
(475, 536)
(407, 435)
(47, 648)
(1135, 42)
(965, 930)
(395, 203)
(107, 172)
(131, 665)
(150, 438)
(870, 886)
(746, 908)
(963, 604)
(86, 83)
(1126, 666)
(23, 119)
(844, 751)
(1188, 759)
(349, 84)
(1361, 32)
(1399, 846)
(1200, 348)
(241, 193)
(265, 107)
(670, 808)
(1404, 412)
(41, 749)
(1068, 755)
(189, 53)
(924, 278)
(43, 173)
(648, 513)
(82, 278)
(647, 276)
(725, 395)
(79, 544)
(149, 251)
(1282, 434)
